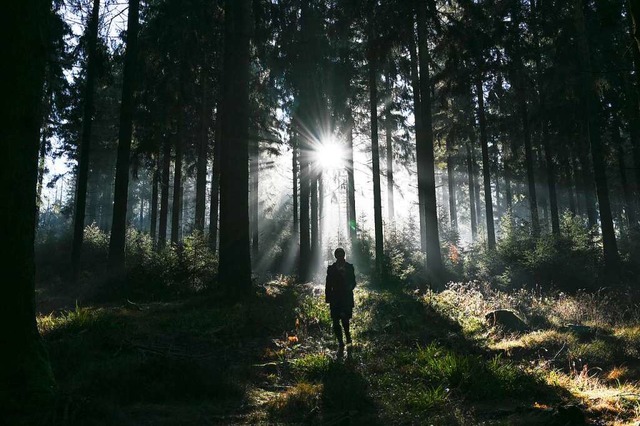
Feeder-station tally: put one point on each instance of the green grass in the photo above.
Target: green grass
(271, 359)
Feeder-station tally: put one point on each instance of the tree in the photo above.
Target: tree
(234, 271)
(424, 150)
(203, 144)
(119, 226)
(388, 130)
(372, 54)
(25, 374)
(591, 105)
(85, 143)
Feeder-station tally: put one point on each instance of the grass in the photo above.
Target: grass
(418, 358)
(596, 363)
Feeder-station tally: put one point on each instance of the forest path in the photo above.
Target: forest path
(273, 360)
(409, 364)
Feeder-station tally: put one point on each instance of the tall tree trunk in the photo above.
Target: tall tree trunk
(426, 155)
(587, 178)
(551, 181)
(254, 176)
(305, 240)
(176, 210)
(486, 167)
(453, 213)
(294, 178)
(154, 199)
(351, 187)
(215, 183)
(497, 191)
(539, 17)
(314, 213)
(476, 188)
(234, 271)
(472, 195)
(25, 373)
(201, 162)
(303, 120)
(624, 181)
(508, 175)
(119, 224)
(85, 143)
(164, 192)
(320, 213)
(388, 124)
(375, 154)
(528, 151)
(591, 109)
(573, 201)
(417, 112)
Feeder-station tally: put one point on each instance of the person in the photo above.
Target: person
(341, 280)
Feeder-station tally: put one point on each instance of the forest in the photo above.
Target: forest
(183, 179)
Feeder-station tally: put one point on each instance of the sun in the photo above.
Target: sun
(329, 155)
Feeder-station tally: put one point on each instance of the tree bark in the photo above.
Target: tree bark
(476, 188)
(551, 181)
(176, 209)
(320, 214)
(508, 196)
(388, 123)
(451, 180)
(375, 154)
(624, 180)
(215, 183)
(587, 179)
(234, 271)
(486, 171)
(417, 112)
(591, 109)
(164, 192)
(314, 213)
(303, 123)
(119, 224)
(85, 143)
(201, 162)
(434, 257)
(351, 187)
(528, 151)
(472, 196)
(154, 199)
(254, 176)
(294, 178)
(25, 373)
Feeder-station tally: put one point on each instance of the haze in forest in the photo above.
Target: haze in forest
(179, 174)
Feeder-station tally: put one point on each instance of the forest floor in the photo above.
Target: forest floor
(416, 359)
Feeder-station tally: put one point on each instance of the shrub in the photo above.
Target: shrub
(187, 267)
(570, 261)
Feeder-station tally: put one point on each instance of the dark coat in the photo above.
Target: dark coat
(339, 286)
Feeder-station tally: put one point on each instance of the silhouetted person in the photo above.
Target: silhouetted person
(341, 280)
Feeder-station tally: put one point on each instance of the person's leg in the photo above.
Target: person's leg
(347, 332)
(337, 330)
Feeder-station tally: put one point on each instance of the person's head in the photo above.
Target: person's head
(339, 253)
